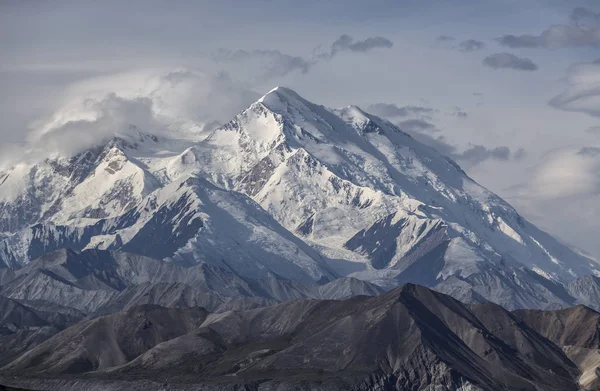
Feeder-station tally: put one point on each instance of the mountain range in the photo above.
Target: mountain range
(409, 338)
(292, 190)
(282, 250)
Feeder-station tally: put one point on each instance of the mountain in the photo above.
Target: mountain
(586, 290)
(576, 330)
(25, 324)
(100, 281)
(236, 234)
(114, 339)
(294, 191)
(410, 338)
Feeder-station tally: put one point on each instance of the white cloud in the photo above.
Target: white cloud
(565, 173)
(153, 101)
(583, 90)
(181, 95)
(98, 120)
(563, 196)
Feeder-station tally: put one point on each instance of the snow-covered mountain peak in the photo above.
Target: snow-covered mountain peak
(133, 141)
(321, 166)
(298, 118)
(354, 113)
(282, 114)
(284, 187)
(280, 97)
(358, 119)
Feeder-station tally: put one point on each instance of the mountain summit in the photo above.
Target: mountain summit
(293, 190)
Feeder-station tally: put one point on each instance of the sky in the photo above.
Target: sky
(510, 89)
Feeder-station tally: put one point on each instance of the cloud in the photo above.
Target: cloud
(417, 125)
(474, 154)
(103, 119)
(347, 43)
(150, 101)
(445, 38)
(178, 95)
(567, 172)
(593, 130)
(477, 154)
(584, 30)
(470, 45)
(509, 61)
(589, 152)
(583, 90)
(583, 17)
(566, 183)
(460, 113)
(428, 133)
(555, 37)
(274, 62)
(388, 110)
(520, 154)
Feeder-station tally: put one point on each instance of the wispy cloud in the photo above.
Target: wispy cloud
(390, 110)
(417, 125)
(509, 61)
(584, 17)
(460, 113)
(555, 37)
(589, 152)
(583, 90)
(445, 38)
(568, 172)
(275, 63)
(470, 45)
(474, 154)
(584, 30)
(346, 43)
(151, 101)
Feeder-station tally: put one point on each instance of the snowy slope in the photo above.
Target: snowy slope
(189, 221)
(101, 182)
(359, 188)
(291, 189)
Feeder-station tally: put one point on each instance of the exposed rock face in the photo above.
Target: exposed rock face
(25, 324)
(577, 331)
(410, 338)
(112, 340)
